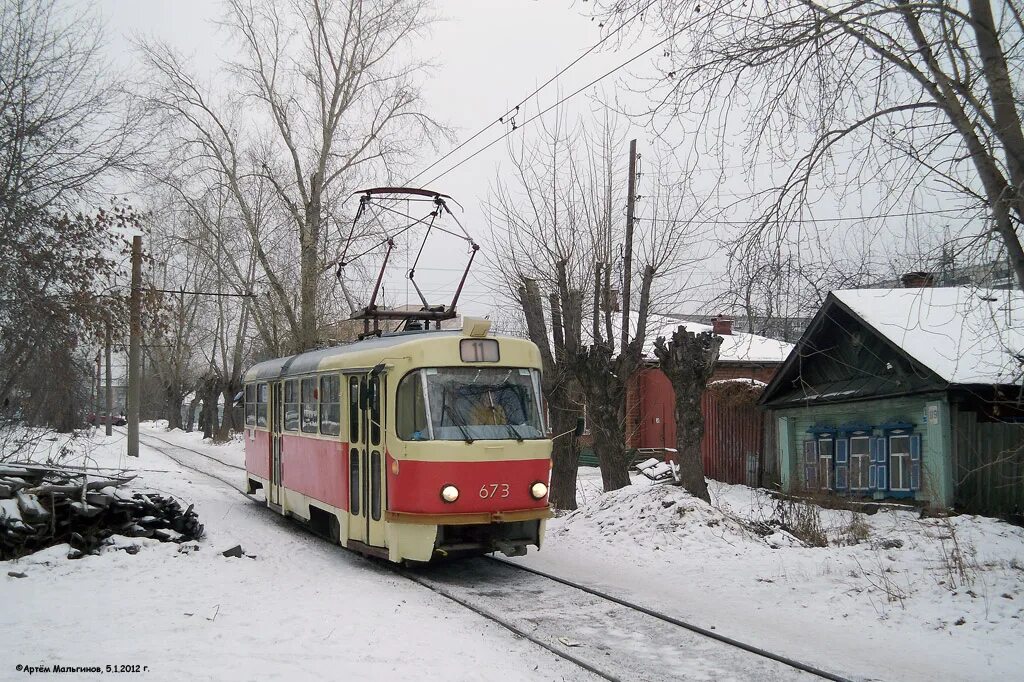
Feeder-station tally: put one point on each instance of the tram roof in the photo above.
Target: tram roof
(309, 361)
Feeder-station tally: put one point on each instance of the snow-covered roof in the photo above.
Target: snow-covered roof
(964, 335)
(736, 347)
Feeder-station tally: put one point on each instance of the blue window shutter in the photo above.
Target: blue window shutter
(841, 477)
(810, 464)
(873, 457)
(881, 466)
(842, 450)
(915, 462)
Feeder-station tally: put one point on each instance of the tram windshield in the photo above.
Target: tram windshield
(469, 403)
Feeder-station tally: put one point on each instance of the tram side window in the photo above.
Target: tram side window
(353, 409)
(309, 407)
(291, 405)
(410, 412)
(330, 406)
(261, 405)
(250, 405)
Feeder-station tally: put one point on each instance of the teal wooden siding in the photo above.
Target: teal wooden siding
(927, 414)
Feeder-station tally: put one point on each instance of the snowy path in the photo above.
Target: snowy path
(301, 609)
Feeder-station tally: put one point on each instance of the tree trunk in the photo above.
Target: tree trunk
(689, 434)
(232, 421)
(688, 360)
(174, 405)
(565, 452)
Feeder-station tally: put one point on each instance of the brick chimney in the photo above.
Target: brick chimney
(721, 325)
(918, 280)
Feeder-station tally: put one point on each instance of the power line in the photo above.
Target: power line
(564, 99)
(811, 220)
(513, 110)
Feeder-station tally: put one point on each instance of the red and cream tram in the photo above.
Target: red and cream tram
(410, 446)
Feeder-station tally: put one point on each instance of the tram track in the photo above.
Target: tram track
(605, 635)
(785, 660)
(478, 589)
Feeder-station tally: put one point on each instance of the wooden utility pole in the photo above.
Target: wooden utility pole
(627, 266)
(110, 387)
(135, 331)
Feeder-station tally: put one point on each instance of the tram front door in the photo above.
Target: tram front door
(366, 459)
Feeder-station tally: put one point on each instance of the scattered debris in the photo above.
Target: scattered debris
(655, 469)
(16, 574)
(234, 552)
(45, 505)
(569, 642)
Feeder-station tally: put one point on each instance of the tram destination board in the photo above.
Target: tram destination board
(479, 350)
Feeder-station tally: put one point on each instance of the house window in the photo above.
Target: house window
(826, 472)
(860, 462)
(899, 463)
(291, 405)
(309, 406)
(330, 405)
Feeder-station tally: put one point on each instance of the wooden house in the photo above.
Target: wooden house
(910, 394)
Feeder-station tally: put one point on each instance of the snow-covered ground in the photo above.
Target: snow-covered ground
(301, 609)
(892, 596)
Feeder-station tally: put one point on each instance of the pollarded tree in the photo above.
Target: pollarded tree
(688, 360)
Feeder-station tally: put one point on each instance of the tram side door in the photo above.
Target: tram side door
(276, 416)
(366, 460)
(374, 477)
(356, 457)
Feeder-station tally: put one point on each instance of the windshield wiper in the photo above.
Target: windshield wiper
(515, 431)
(458, 422)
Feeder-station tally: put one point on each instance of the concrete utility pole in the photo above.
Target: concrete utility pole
(97, 382)
(627, 266)
(110, 387)
(134, 342)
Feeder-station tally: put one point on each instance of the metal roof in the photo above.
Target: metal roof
(309, 361)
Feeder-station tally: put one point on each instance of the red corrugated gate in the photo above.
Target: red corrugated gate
(734, 439)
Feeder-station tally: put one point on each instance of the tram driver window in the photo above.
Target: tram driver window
(410, 412)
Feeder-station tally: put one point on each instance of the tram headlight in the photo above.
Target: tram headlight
(449, 493)
(538, 490)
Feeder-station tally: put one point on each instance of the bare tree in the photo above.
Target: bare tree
(562, 235)
(327, 97)
(65, 128)
(916, 92)
(536, 218)
(688, 360)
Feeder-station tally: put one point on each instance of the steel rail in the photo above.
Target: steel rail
(508, 626)
(785, 660)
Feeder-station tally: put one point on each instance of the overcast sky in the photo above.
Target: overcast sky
(489, 55)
